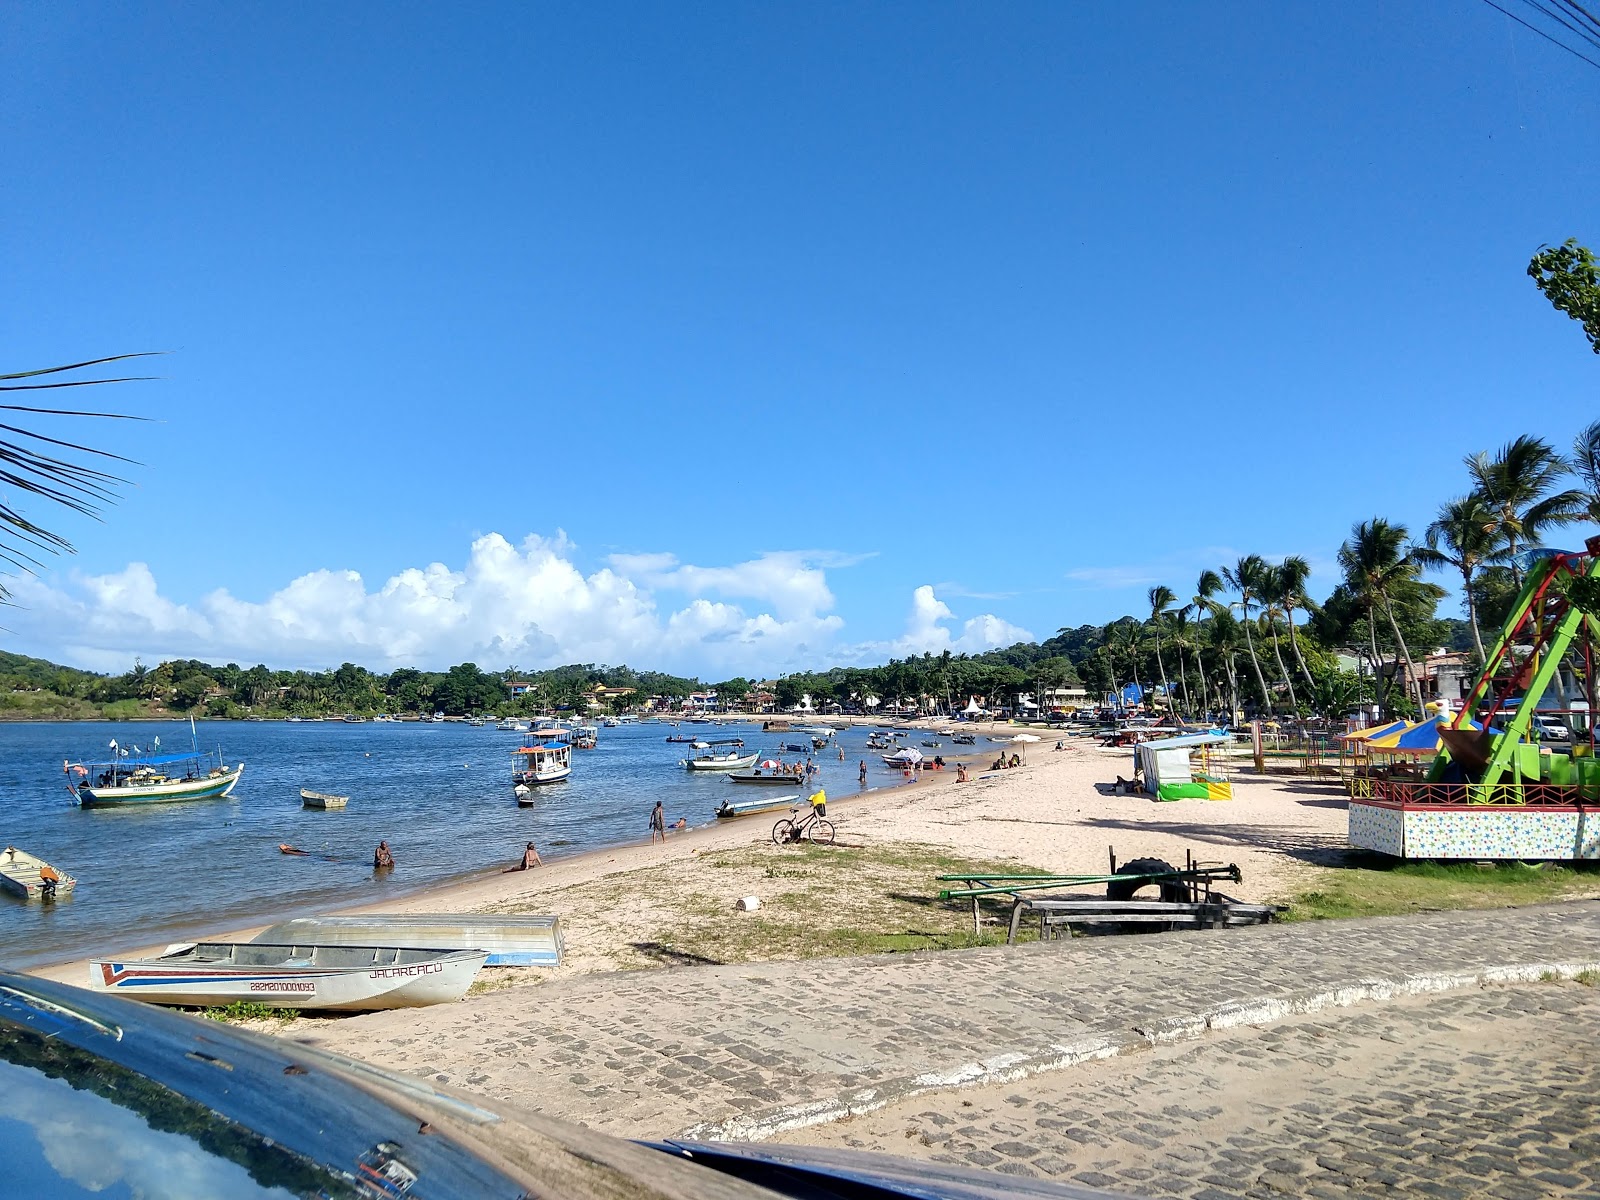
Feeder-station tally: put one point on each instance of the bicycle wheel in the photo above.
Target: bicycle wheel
(783, 832)
(821, 832)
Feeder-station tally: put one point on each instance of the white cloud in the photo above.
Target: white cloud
(527, 604)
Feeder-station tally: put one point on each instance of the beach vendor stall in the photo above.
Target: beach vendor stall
(1170, 772)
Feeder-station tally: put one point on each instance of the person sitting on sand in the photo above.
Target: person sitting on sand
(530, 859)
(681, 823)
(381, 857)
(999, 764)
(1061, 745)
(961, 772)
(1016, 760)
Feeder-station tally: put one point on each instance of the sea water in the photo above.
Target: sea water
(439, 793)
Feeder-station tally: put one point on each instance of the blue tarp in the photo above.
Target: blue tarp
(148, 760)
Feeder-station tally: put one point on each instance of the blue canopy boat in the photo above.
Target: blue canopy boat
(136, 778)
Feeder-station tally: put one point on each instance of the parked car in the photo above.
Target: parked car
(1552, 729)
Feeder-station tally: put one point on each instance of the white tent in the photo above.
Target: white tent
(972, 709)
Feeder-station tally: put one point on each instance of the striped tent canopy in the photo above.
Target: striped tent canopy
(1374, 731)
(1421, 737)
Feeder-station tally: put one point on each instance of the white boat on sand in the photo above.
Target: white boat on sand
(327, 978)
(32, 878)
(512, 941)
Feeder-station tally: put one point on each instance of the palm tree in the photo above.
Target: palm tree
(1463, 528)
(29, 468)
(1271, 588)
(1209, 584)
(1376, 564)
(1517, 486)
(1161, 599)
(1181, 637)
(1223, 634)
(1586, 466)
(1245, 578)
(1293, 572)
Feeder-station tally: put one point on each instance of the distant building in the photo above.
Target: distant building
(520, 687)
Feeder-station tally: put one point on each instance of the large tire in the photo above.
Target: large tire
(1172, 890)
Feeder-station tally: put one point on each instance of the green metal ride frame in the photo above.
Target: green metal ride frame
(1543, 629)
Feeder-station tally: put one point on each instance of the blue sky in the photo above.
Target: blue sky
(787, 334)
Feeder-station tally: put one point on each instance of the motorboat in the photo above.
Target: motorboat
(732, 809)
(722, 754)
(547, 762)
(133, 777)
(769, 771)
(326, 978)
(26, 875)
(511, 941)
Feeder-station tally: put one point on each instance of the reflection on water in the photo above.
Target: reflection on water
(439, 793)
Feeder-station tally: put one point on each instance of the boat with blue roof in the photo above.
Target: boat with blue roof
(133, 777)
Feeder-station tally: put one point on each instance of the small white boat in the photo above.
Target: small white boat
(544, 763)
(732, 809)
(311, 799)
(512, 941)
(31, 877)
(720, 755)
(328, 978)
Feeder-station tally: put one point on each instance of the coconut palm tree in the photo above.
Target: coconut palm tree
(1461, 537)
(1376, 563)
(1202, 604)
(32, 466)
(1222, 633)
(1293, 572)
(1517, 486)
(1585, 465)
(1271, 609)
(1161, 599)
(1245, 577)
(1181, 637)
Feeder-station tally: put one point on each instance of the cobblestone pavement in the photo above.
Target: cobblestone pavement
(1485, 1093)
(745, 1051)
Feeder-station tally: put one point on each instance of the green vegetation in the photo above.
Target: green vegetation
(1569, 277)
(1375, 886)
(249, 1010)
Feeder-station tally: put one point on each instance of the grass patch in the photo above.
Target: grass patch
(1372, 886)
(249, 1010)
(497, 979)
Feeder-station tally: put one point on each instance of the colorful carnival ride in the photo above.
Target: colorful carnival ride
(1514, 773)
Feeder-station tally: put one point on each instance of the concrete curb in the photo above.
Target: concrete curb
(1008, 1068)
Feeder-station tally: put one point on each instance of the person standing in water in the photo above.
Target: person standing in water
(863, 772)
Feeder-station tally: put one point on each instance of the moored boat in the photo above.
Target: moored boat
(30, 877)
(311, 799)
(720, 755)
(770, 771)
(543, 763)
(732, 809)
(511, 941)
(328, 978)
(152, 778)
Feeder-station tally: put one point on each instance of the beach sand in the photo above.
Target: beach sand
(1055, 812)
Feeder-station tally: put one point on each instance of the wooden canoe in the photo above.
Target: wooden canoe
(511, 941)
(30, 877)
(325, 978)
(312, 799)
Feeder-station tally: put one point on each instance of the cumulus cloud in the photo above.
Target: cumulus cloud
(528, 604)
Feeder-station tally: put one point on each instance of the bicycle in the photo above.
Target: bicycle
(811, 828)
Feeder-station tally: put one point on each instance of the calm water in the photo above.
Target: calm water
(439, 793)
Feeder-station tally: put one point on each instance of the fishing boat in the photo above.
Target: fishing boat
(732, 809)
(768, 771)
(687, 738)
(611, 722)
(719, 755)
(32, 878)
(311, 799)
(963, 739)
(586, 737)
(507, 725)
(516, 941)
(547, 762)
(133, 777)
(327, 978)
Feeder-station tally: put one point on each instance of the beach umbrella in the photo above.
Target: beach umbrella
(770, 764)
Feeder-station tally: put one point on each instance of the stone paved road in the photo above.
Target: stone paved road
(744, 1051)
(1485, 1093)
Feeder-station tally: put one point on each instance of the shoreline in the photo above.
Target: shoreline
(491, 885)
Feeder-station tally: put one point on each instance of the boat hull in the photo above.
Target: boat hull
(211, 787)
(721, 764)
(329, 979)
(514, 941)
(20, 875)
(766, 779)
(732, 811)
(322, 800)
